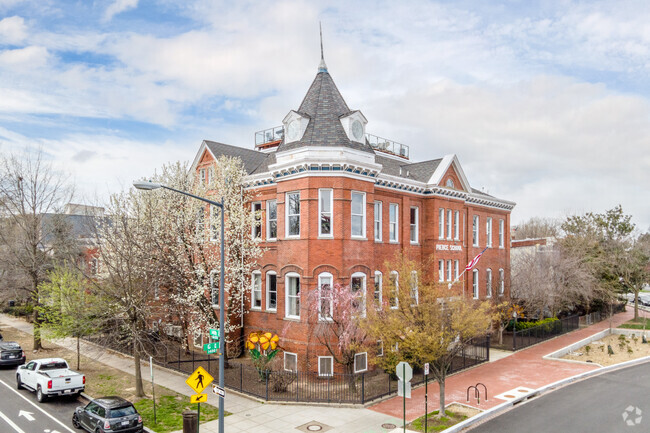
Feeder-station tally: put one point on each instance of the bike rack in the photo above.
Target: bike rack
(477, 392)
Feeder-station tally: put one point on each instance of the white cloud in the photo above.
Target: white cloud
(12, 30)
(28, 57)
(119, 6)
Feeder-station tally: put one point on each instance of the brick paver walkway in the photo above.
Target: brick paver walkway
(525, 368)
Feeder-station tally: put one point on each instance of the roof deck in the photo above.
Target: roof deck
(272, 137)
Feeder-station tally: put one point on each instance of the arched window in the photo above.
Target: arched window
(393, 293)
(378, 288)
(325, 282)
(358, 287)
(292, 295)
(501, 282)
(475, 283)
(488, 282)
(271, 291)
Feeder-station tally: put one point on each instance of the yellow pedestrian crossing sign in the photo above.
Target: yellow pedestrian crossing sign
(199, 398)
(199, 380)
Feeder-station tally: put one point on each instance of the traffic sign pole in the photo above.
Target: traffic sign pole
(404, 394)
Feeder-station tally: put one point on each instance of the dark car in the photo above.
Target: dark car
(11, 353)
(108, 414)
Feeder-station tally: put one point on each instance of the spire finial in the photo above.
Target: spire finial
(322, 67)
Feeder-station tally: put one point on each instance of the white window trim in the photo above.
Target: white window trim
(449, 270)
(396, 306)
(322, 276)
(475, 286)
(450, 220)
(396, 223)
(286, 295)
(488, 283)
(441, 270)
(456, 225)
(253, 274)
(417, 226)
(268, 220)
(331, 358)
(475, 230)
(441, 223)
(195, 337)
(255, 221)
(381, 287)
(456, 269)
(502, 282)
(213, 275)
(377, 219)
(268, 296)
(488, 232)
(286, 216)
(320, 210)
(363, 290)
(365, 354)
(284, 364)
(415, 289)
(213, 219)
(363, 215)
(502, 233)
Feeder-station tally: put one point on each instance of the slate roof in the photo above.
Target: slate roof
(418, 171)
(324, 106)
(252, 159)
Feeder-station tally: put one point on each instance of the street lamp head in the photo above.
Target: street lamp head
(146, 185)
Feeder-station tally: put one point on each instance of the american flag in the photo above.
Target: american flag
(475, 260)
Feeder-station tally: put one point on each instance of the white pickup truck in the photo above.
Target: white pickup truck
(50, 376)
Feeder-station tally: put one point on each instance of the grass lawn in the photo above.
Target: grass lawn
(437, 424)
(102, 380)
(636, 324)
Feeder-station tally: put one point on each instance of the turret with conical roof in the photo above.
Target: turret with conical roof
(325, 117)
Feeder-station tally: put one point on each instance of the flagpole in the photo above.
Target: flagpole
(473, 262)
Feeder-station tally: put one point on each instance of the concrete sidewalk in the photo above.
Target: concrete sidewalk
(248, 415)
(507, 375)
(505, 378)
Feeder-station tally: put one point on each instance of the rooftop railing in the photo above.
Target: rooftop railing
(269, 135)
(388, 146)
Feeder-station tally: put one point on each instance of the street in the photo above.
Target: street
(612, 402)
(20, 412)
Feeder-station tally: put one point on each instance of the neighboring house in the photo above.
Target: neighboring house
(81, 221)
(520, 247)
(337, 203)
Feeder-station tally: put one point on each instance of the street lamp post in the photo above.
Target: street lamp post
(147, 186)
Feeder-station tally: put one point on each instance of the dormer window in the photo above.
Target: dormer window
(354, 125)
(294, 126)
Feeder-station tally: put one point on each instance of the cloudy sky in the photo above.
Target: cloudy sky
(545, 103)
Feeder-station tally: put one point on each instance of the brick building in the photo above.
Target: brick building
(337, 202)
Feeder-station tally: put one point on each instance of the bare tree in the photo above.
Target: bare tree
(33, 234)
(128, 274)
(552, 280)
(536, 228)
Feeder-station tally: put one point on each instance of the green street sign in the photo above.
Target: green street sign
(214, 333)
(211, 346)
(211, 351)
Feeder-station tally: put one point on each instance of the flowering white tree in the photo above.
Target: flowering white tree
(187, 235)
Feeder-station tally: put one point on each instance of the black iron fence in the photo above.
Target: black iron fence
(357, 388)
(527, 337)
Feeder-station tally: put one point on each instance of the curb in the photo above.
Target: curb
(539, 391)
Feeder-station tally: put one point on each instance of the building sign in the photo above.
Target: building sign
(447, 247)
